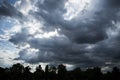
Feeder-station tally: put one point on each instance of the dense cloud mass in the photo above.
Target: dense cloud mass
(57, 31)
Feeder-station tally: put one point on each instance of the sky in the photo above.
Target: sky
(77, 33)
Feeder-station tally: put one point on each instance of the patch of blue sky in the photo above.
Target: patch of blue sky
(5, 24)
(6, 45)
(12, 1)
(9, 1)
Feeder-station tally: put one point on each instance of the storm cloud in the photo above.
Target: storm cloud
(91, 38)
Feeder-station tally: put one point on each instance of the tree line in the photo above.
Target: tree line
(19, 72)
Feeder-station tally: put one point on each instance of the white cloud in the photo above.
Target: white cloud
(114, 30)
(75, 7)
(24, 6)
(105, 69)
(7, 56)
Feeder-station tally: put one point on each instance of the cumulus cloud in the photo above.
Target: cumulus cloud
(56, 32)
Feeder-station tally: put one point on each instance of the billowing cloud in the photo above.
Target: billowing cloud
(61, 31)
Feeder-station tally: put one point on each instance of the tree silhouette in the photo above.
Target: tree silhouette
(52, 73)
(62, 72)
(27, 75)
(94, 74)
(2, 73)
(46, 72)
(19, 72)
(115, 74)
(16, 71)
(39, 73)
(77, 73)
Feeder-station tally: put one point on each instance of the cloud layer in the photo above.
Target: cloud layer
(87, 38)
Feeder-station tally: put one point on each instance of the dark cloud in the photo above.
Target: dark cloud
(6, 9)
(75, 29)
(20, 37)
(85, 42)
(114, 3)
(49, 10)
(108, 49)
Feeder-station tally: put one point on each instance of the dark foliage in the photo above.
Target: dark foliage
(19, 72)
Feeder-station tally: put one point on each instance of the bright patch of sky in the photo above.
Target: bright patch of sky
(24, 6)
(6, 24)
(75, 7)
(7, 53)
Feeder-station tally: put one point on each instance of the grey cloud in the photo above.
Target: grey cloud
(20, 37)
(114, 3)
(74, 29)
(6, 9)
(108, 50)
(52, 5)
(79, 35)
(49, 10)
(60, 52)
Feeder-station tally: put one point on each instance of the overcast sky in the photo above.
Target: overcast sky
(84, 33)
